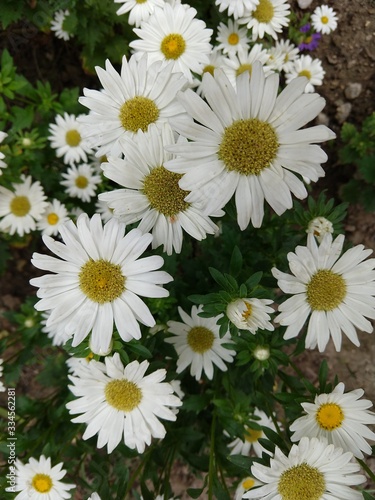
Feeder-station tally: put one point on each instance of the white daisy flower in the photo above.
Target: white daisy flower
(117, 401)
(250, 314)
(173, 34)
(54, 215)
(333, 293)
(56, 332)
(2, 386)
(3, 135)
(39, 480)
(94, 496)
(231, 37)
(81, 182)
(198, 344)
(130, 101)
(340, 418)
(215, 60)
(97, 281)
(324, 19)
(75, 364)
(289, 51)
(236, 64)
(102, 208)
(236, 8)
(306, 66)
(152, 194)
(319, 226)
(269, 17)
(220, 158)
(57, 24)
(139, 10)
(22, 207)
(245, 485)
(66, 138)
(314, 467)
(250, 441)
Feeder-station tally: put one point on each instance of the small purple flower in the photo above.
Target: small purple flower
(311, 42)
(305, 28)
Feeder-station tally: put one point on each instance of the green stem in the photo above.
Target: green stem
(212, 464)
(367, 469)
(138, 470)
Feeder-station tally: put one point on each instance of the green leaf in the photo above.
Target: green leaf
(241, 461)
(236, 261)
(323, 373)
(218, 277)
(367, 496)
(367, 167)
(138, 349)
(253, 281)
(194, 492)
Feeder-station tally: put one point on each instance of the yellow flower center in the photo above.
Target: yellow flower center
(42, 483)
(248, 484)
(210, 68)
(163, 192)
(233, 39)
(20, 206)
(326, 290)
(329, 416)
(248, 311)
(73, 138)
(173, 46)
(101, 281)
(81, 182)
(324, 19)
(52, 219)
(252, 435)
(138, 113)
(200, 339)
(123, 394)
(306, 73)
(308, 40)
(248, 146)
(244, 67)
(141, 1)
(301, 482)
(264, 11)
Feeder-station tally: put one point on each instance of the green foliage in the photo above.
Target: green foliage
(359, 152)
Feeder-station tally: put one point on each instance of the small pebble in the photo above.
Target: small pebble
(343, 111)
(353, 90)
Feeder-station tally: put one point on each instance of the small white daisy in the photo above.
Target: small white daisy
(94, 496)
(324, 19)
(173, 34)
(250, 441)
(340, 418)
(97, 281)
(3, 135)
(54, 215)
(122, 402)
(66, 137)
(39, 480)
(57, 24)
(75, 364)
(22, 207)
(289, 51)
(250, 314)
(220, 158)
(139, 10)
(231, 37)
(81, 182)
(198, 344)
(129, 102)
(102, 208)
(269, 17)
(215, 60)
(333, 293)
(151, 193)
(315, 469)
(56, 333)
(306, 66)
(236, 64)
(236, 8)
(245, 485)
(319, 226)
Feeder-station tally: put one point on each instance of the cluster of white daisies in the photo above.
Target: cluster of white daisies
(179, 148)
